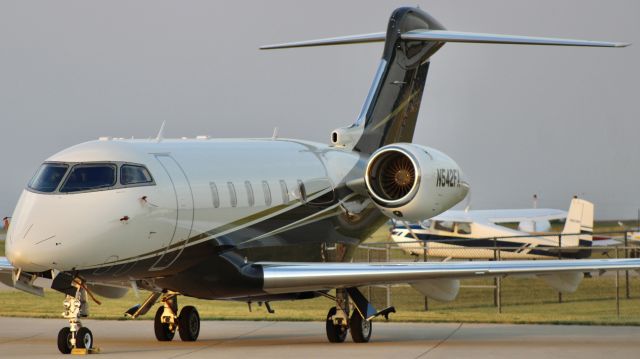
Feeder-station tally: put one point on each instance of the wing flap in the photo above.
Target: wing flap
(291, 277)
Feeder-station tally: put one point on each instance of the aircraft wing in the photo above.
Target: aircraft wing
(292, 277)
(502, 215)
(6, 269)
(5, 265)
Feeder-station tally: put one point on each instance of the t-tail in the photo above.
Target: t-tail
(391, 108)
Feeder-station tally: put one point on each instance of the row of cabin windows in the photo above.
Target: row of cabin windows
(251, 200)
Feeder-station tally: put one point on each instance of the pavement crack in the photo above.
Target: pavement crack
(223, 341)
(440, 342)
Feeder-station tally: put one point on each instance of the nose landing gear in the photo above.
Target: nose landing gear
(75, 337)
(167, 321)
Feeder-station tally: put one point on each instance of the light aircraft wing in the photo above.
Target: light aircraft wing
(502, 215)
(291, 277)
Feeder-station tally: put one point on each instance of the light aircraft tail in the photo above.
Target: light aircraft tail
(578, 228)
(391, 108)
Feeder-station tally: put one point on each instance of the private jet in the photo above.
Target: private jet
(257, 219)
(474, 234)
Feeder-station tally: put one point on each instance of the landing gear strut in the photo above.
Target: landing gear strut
(167, 320)
(75, 335)
(359, 323)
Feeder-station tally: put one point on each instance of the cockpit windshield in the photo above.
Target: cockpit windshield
(58, 177)
(48, 177)
(89, 177)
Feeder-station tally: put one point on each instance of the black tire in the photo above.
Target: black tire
(360, 328)
(335, 333)
(189, 324)
(162, 330)
(84, 338)
(64, 340)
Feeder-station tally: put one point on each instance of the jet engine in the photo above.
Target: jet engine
(409, 182)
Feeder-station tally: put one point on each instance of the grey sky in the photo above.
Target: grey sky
(519, 120)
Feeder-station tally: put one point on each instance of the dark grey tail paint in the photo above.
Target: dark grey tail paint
(391, 112)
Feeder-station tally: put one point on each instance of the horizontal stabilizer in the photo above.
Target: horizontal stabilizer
(473, 37)
(342, 40)
(447, 36)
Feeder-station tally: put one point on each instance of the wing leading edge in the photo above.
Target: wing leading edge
(291, 277)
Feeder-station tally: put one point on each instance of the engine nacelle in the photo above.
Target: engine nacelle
(409, 182)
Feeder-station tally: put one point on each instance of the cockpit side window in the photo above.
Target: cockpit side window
(444, 226)
(133, 174)
(86, 177)
(48, 177)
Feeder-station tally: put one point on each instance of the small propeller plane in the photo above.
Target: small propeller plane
(257, 219)
(459, 234)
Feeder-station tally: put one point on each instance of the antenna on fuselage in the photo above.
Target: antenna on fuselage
(275, 133)
(161, 132)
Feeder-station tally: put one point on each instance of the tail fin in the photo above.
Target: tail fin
(578, 228)
(391, 108)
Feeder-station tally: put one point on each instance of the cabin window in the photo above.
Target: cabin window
(267, 193)
(302, 193)
(134, 174)
(285, 192)
(250, 199)
(233, 199)
(90, 177)
(215, 198)
(464, 228)
(444, 226)
(48, 177)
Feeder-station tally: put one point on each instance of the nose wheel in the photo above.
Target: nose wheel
(64, 340)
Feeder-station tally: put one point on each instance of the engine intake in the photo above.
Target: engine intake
(392, 176)
(411, 182)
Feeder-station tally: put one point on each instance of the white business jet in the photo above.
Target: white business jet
(257, 219)
(471, 234)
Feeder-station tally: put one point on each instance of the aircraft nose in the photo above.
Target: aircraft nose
(26, 242)
(26, 254)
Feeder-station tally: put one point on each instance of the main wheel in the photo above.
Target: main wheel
(189, 324)
(84, 338)
(335, 333)
(360, 328)
(64, 340)
(162, 330)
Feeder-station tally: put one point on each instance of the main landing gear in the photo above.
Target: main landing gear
(359, 323)
(75, 336)
(167, 321)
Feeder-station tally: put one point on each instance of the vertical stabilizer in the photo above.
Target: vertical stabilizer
(391, 108)
(578, 228)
